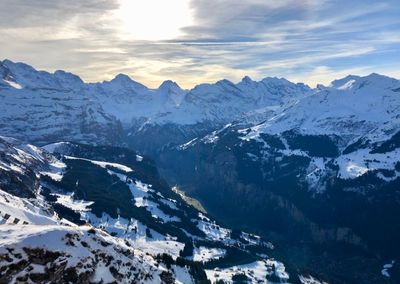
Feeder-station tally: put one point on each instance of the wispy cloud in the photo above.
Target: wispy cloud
(309, 40)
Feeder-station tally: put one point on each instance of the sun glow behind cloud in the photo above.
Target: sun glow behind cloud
(154, 19)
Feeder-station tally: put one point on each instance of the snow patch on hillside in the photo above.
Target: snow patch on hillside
(103, 164)
(14, 208)
(360, 162)
(204, 254)
(141, 194)
(310, 280)
(68, 201)
(13, 84)
(212, 230)
(386, 268)
(256, 272)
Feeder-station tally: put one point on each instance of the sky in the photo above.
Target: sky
(198, 41)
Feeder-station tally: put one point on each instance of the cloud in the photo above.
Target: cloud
(309, 40)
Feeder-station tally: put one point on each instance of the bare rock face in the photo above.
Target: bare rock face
(41, 107)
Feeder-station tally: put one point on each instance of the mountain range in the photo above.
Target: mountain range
(314, 170)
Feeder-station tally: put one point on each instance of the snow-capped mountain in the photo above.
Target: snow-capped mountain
(353, 99)
(358, 114)
(42, 107)
(45, 106)
(172, 91)
(326, 165)
(214, 103)
(357, 118)
(349, 107)
(20, 76)
(103, 215)
(224, 101)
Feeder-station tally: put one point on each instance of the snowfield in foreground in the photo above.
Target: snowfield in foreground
(63, 253)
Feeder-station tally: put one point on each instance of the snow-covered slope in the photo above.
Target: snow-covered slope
(358, 113)
(355, 114)
(92, 215)
(65, 254)
(349, 107)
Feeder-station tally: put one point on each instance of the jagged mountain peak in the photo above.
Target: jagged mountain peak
(272, 85)
(340, 82)
(379, 81)
(373, 80)
(20, 75)
(282, 82)
(276, 80)
(68, 79)
(216, 88)
(224, 82)
(169, 84)
(10, 63)
(247, 80)
(123, 79)
(172, 92)
(122, 84)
